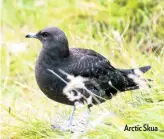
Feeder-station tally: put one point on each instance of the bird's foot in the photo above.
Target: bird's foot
(62, 128)
(57, 127)
(76, 127)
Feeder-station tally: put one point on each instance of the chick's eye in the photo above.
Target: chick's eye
(45, 34)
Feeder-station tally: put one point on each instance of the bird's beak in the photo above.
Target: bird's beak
(31, 35)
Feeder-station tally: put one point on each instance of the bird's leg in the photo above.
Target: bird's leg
(71, 117)
(69, 122)
(88, 113)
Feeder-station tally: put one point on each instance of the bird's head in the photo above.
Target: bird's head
(51, 37)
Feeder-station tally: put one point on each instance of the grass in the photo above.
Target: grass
(129, 33)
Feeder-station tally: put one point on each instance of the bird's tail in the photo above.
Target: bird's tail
(134, 81)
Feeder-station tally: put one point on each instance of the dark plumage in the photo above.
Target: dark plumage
(55, 54)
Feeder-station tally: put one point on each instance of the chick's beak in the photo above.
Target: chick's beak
(31, 35)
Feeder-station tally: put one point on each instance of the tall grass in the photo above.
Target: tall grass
(128, 33)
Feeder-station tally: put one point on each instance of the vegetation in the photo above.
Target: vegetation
(129, 33)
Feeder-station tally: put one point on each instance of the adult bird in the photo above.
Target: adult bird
(57, 62)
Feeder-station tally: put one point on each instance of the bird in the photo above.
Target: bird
(57, 66)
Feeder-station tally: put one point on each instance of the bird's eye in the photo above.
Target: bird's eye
(45, 34)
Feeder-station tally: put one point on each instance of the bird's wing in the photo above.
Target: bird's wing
(95, 66)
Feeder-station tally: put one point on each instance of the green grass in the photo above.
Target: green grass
(129, 33)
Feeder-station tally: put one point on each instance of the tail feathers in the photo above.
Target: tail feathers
(134, 81)
(144, 69)
(132, 71)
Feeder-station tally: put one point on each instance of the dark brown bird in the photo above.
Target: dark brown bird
(56, 60)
